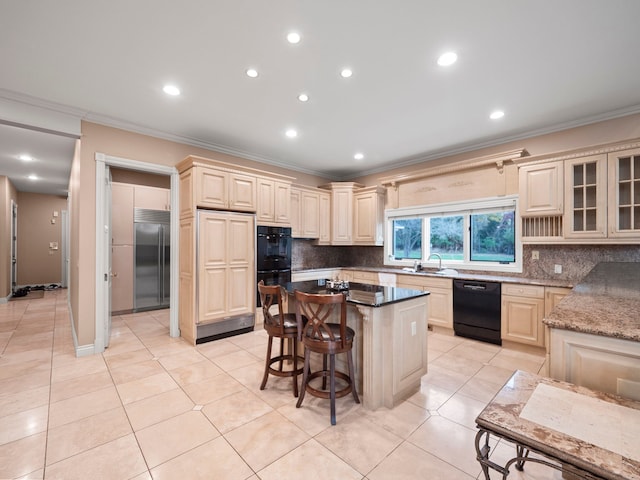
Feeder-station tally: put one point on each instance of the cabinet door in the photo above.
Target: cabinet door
(541, 189)
(242, 192)
(212, 189)
(552, 296)
(225, 266)
(368, 213)
(624, 193)
(122, 280)
(586, 197)
(310, 214)
(522, 320)
(153, 198)
(122, 217)
(296, 220)
(341, 216)
(282, 203)
(324, 219)
(266, 201)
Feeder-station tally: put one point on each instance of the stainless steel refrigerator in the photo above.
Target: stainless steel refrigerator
(152, 244)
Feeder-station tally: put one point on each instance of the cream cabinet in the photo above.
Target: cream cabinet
(368, 216)
(440, 298)
(122, 195)
(605, 364)
(586, 197)
(357, 214)
(624, 193)
(541, 189)
(522, 314)
(121, 278)
(226, 269)
(305, 206)
(552, 296)
(152, 198)
(324, 218)
(274, 202)
(202, 186)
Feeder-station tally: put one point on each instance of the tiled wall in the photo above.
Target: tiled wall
(576, 260)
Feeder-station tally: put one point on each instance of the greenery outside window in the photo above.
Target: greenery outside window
(480, 235)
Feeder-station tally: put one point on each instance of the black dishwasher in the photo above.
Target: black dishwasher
(476, 310)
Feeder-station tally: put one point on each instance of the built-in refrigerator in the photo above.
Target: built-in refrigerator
(152, 244)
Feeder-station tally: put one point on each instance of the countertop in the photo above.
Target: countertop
(461, 275)
(359, 293)
(606, 302)
(602, 443)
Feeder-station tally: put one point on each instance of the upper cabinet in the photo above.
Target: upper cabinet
(586, 197)
(541, 189)
(357, 214)
(601, 201)
(624, 193)
(274, 202)
(310, 208)
(152, 198)
(217, 185)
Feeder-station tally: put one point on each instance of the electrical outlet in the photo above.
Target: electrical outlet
(558, 269)
(413, 329)
(535, 255)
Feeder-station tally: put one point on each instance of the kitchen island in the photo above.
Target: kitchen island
(594, 332)
(390, 348)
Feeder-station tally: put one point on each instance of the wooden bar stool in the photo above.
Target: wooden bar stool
(282, 326)
(320, 335)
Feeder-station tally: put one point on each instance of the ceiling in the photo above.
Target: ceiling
(547, 65)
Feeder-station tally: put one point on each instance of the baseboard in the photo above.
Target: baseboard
(5, 299)
(81, 350)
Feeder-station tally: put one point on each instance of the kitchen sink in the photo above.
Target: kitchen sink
(446, 271)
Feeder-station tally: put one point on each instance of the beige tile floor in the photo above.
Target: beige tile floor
(154, 407)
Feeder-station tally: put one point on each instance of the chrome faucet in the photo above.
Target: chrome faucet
(439, 259)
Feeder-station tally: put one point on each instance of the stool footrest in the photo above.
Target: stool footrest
(286, 373)
(316, 392)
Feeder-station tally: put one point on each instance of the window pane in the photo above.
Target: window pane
(407, 238)
(493, 237)
(446, 237)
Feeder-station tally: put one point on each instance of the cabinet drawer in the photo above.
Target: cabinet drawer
(365, 277)
(420, 283)
(518, 290)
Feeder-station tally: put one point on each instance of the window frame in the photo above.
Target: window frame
(466, 209)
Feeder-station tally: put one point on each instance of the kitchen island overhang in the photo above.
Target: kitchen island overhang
(390, 348)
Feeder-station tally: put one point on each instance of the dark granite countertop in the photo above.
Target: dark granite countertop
(606, 302)
(359, 293)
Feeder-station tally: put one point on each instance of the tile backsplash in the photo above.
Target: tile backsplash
(576, 260)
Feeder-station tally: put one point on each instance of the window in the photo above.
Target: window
(476, 235)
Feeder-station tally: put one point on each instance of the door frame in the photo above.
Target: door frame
(103, 242)
(14, 247)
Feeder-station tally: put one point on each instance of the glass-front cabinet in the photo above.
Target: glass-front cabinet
(586, 197)
(624, 193)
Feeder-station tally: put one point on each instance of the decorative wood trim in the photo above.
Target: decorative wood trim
(499, 159)
(193, 160)
(604, 148)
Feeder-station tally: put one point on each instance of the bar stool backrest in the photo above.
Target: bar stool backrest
(319, 310)
(271, 295)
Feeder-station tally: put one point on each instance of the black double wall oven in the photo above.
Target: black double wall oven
(273, 258)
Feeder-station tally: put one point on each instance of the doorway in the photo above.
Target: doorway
(14, 246)
(103, 242)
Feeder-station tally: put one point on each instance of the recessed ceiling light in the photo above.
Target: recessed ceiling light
(25, 158)
(293, 37)
(32, 177)
(171, 90)
(291, 133)
(447, 59)
(358, 156)
(496, 115)
(303, 97)
(346, 72)
(252, 72)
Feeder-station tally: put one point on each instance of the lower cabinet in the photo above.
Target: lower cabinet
(522, 314)
(606, 364)
(122, 278)
(440, 299)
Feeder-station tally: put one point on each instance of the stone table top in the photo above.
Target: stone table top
(594, 431)
(606, 302)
